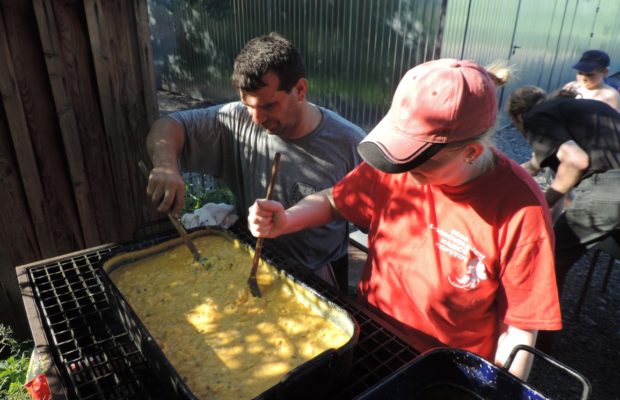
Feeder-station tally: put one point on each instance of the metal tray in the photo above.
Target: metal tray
(467, 373)
(313, 379)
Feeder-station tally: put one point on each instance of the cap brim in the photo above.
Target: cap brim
(392, 152)
(586, 67)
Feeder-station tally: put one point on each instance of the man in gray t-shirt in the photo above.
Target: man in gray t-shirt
(236, 143)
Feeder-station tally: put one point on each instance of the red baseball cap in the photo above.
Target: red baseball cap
(435, 103)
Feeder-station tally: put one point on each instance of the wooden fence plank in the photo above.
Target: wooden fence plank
(143, 33)
(126, 59)
(81, 83)
(25, 156)
(12, 311)
(116, 56)
(107, 82)
(48, 33)
(37, 102)
(16, 231)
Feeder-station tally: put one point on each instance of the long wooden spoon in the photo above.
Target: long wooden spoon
(179, 227)
(259, 242)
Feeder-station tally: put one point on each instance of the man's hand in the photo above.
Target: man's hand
(166, 186)
(166, 189)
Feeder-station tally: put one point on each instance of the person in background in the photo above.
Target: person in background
(580, 141)
(236, 142)
(592, 68)
(460, 239)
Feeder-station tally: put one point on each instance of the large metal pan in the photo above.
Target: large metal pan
(313, 379)
(447, 373)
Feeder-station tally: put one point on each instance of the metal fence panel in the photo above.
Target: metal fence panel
(355, 50)
(540, 40)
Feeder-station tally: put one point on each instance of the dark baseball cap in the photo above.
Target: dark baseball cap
(592, 60)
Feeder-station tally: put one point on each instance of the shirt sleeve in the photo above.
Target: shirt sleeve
(204, 139)
(353, 195)
(530, 296)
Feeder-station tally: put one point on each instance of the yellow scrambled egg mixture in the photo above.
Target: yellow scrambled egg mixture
(225, 343)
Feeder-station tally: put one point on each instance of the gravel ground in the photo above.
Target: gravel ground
(590, 342)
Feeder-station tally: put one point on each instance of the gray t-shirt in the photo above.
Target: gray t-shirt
(222, 141)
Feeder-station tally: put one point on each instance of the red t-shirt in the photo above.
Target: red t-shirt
(450, 263)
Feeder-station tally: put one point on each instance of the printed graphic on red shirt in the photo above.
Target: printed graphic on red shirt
(470, 269)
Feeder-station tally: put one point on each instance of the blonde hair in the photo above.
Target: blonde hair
(500, 72)
(487, 159)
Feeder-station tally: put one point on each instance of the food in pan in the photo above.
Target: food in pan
(225, 343)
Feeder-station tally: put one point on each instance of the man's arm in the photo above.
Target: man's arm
(612, 97)
(166, 186)
(573, 163)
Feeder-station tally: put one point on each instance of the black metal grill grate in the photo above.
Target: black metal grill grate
(98, 359)
(378, 351)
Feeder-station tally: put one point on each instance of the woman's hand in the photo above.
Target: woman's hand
(267, 218)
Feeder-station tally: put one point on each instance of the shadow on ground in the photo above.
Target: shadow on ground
(589, 342)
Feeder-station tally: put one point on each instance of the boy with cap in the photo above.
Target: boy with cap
(460, 241)
(592, 68)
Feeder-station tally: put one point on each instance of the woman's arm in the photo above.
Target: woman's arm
(509, 337)
(268, 219)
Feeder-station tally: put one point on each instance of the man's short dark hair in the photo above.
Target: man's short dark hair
(268, 53)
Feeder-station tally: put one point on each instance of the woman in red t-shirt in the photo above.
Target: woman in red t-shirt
(460, 239)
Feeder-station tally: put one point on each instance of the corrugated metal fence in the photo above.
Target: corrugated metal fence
(541, 40)
(357, 50)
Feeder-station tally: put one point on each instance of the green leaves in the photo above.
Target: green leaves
(14, 369)
(198, 197)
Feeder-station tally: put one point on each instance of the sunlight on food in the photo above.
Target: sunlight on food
(225, 343)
